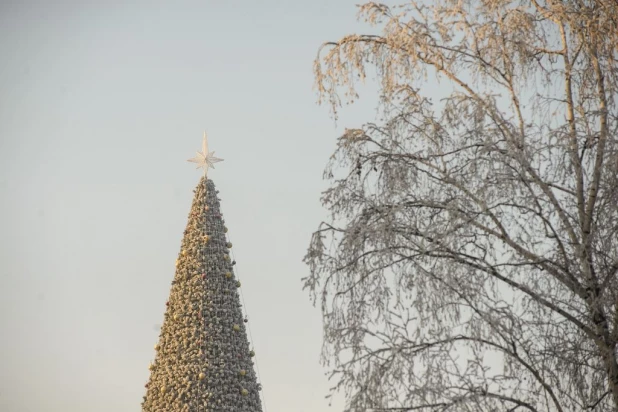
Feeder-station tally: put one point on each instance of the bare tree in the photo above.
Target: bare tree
(471, 258)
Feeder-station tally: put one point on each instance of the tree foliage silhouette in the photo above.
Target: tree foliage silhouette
(471, 257)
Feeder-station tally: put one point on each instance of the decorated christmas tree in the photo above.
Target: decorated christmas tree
(203, 360)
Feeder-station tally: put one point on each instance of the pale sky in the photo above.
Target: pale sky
(101, 103)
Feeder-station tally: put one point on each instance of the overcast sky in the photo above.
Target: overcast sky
(101, 103)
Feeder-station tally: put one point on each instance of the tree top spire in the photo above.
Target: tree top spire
(205, 159)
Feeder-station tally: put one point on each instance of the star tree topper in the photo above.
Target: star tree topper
(205, 159)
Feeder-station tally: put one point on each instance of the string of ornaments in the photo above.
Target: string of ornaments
(203, 361)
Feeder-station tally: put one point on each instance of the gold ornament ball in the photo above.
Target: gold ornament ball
(206, 238)
(177, 262)
(226, 257)
(150, 367)
(157, 347)
(229, 245)
(228, 275)
(244, 392)
(252, 353)
(184, 252)
(238, 284)
(224, 229)
(201, 376)
(243, 372)
(163, 389)
(236, 327)
(175, 316)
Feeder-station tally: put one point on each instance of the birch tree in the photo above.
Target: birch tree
(471, 255)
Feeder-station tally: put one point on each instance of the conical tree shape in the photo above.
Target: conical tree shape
(203, 360)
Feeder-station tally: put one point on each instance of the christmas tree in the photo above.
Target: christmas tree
(203, 361)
